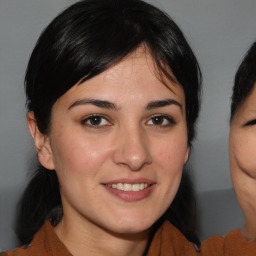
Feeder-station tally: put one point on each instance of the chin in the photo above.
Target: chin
(132, 226)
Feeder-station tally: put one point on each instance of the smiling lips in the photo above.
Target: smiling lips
(130, 191)
(129, 187)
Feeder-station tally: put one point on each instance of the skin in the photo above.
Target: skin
(242, 149)
(134, 139)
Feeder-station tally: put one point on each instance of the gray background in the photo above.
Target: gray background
(219, 31)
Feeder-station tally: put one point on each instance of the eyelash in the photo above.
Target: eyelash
(90, 118)
(252, 122)
(163, 118)
(169, 119)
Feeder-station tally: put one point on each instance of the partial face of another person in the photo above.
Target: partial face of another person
(243, 137)
(242, 147)
(118, 143)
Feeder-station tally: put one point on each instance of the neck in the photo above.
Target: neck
(86, 238)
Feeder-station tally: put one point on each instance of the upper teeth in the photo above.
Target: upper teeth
(129, 187)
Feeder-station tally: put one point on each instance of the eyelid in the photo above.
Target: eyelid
(251, 122)
(87, 118)
(170, 119)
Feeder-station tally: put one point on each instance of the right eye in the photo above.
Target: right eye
(95, 121)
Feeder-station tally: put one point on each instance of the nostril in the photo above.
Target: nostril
(132, 150)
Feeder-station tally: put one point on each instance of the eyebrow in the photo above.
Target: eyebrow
(163, 103)
(95, 102)
(109, 105)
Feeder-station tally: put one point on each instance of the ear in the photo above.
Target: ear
(187, 154)
(42, 143)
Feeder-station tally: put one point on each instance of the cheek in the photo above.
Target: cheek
(170, 157)
(77, 153)
(172, 152)
(78, 161)
(243, 152)
(170, 160)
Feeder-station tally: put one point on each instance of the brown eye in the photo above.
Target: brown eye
(95, 121)
(158, 120)
(161, 121)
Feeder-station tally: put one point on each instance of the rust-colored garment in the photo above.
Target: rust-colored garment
(168, 241)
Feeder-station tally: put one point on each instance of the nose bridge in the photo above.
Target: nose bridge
(132, 150)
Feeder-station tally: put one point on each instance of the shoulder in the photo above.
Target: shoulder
(22, 251)
(232, 244)
(38, 246)
(168, 240)
(16, 252)
(44, 243)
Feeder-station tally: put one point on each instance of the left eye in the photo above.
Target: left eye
(95, 121)
(252, 122)
(161, 120)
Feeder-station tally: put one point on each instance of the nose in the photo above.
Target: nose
(132, 149)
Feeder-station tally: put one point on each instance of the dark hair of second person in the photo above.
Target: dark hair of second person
(245, 79)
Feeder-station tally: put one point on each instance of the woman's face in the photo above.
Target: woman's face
(243, 137)
(242, 147)
(118, 143)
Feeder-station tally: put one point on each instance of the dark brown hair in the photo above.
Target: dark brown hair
(84, 40)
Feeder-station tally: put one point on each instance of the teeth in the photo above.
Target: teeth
(135, 187)
(128, 187)
(120, 186)
(142, 186)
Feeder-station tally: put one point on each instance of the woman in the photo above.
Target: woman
(113, 95)
(243, 138)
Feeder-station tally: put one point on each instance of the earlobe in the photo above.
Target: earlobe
(41, 140)
(187, 154)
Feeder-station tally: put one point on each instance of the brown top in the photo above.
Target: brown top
(168, 241)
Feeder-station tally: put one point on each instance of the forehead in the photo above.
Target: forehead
(133, 78)
(248, 107)
(250, 101)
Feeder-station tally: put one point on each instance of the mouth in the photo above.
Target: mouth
(130, 190)
(129, 187)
